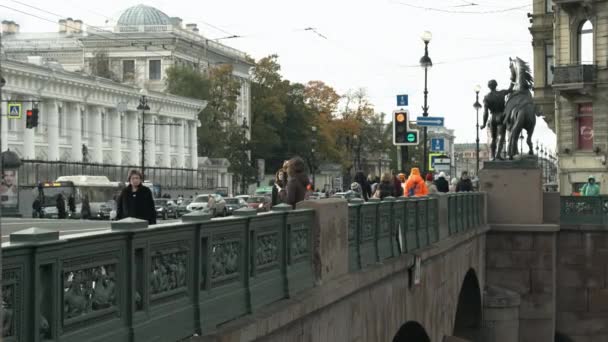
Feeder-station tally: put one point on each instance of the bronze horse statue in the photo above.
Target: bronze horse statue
(520, 110)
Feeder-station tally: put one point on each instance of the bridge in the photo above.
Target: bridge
(443, 268)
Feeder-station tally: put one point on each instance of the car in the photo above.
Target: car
(259, 203)
(201, 202)
(233, 203)
(107, 210)
(165, 208)
(345, 195)
(182, 208)
(243, 197)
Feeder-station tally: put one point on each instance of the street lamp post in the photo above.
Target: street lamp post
(143, 106)
(426, 63)
(477, 106)
(245, 129)
(521, 144)
(314, 144)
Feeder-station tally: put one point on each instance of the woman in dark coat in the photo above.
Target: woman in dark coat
(61, 213)
(136, 200)
(366, 188)
(298, 180)
(386, 187)
(278, 188)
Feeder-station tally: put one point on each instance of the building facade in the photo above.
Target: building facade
(95, 120)
(571, 74)
(137, 51)
(465, 158)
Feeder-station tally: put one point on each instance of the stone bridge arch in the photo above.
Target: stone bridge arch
(468, 319)
(411, 331)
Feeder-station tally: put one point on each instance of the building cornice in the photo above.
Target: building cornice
(41, 81)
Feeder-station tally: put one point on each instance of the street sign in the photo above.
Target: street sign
(402, 100)
(437, 144)
(14, 111)
(434, 121)
(437, 159)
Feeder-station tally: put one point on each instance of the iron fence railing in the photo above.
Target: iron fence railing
(33, 171)
(379, 230)
(591, 210)
(160, 283)
(169, 281)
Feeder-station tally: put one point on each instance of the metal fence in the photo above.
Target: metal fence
(591, 210)
(162, 283)
(379, 230)
(166, 282)
(33, 171)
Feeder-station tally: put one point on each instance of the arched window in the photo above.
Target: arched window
(585, 43)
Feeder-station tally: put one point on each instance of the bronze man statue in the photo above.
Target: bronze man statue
(494, 102)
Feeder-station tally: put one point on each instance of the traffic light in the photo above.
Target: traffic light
(31, 118)
(402, 134)
(34, 117)
(28, 118)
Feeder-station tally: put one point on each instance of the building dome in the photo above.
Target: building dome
(143, 15)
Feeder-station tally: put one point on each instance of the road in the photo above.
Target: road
(65, 227)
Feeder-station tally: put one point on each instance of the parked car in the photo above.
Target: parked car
(107, 211)
(165, 208)
(182, 208)
(345, 195)
(233, 203)
(201, 202)
(259, 203)
(243, 197)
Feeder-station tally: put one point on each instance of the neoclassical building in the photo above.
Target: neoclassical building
(571, 85)
(137, 51)
(102, 115)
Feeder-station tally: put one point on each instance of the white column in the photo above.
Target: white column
(166, 143)
(181, 151)
(134, 136)
(96, 150)
(115, 130)
(150, 140)
(193, 145)
(74, 111)
(51, 110)
(29, 134)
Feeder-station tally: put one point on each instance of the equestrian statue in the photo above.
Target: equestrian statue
(517, 114)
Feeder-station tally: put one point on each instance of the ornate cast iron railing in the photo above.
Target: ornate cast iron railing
(591, 210)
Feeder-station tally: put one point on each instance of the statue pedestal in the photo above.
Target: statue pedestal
(514, 190)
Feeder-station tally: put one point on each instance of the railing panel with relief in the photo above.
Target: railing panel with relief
(165, 282)
(589, 210)
(380, 230)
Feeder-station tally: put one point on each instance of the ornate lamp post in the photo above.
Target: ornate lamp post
(521, 144)
(477, 106)
(314, 144)
(425, 63)
(245, 129)
(143, 106)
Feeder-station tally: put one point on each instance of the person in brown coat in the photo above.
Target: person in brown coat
(297, 181)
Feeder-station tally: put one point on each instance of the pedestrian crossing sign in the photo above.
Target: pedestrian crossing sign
(14, 111)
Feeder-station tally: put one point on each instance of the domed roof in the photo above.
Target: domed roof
(143, 15)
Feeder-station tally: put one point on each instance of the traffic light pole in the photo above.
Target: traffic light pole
(404, 159)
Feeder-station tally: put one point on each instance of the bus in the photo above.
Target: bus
(99, 190)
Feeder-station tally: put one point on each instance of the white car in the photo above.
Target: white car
(201, 202)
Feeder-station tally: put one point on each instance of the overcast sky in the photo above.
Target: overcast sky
(371, 44)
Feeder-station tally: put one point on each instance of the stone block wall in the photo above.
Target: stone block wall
(522, 260)
(582, 285)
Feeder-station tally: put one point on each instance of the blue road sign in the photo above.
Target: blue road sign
(434, 121)
(437, 144)
(402, 100)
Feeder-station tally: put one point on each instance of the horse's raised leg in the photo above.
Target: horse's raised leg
(529, 141)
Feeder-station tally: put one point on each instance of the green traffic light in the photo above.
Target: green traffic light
(411, 137)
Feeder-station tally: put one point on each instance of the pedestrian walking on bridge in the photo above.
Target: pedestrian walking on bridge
(136, 200)
(591, 188)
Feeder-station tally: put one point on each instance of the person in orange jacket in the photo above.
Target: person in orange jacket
(415, 185)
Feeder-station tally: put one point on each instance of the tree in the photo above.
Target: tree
(99, 65)
(268, 97)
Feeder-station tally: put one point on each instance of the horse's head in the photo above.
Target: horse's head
(513, 66)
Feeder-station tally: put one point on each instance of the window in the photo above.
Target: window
(103, 126)
(154, 70)
(128, 70)
(549, 6)
(548, 64)
(123, 127)
(585, 127)
(83, 126)
(585, 43)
